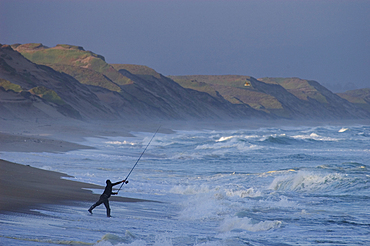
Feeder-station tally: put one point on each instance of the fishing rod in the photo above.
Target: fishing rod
(138, 160)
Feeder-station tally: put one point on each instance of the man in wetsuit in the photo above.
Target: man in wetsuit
(106, 194)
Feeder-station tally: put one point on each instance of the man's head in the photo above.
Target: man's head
(108, 181)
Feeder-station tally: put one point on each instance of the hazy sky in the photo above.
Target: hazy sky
(323, 40)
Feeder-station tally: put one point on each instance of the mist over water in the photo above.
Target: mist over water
(268, 186)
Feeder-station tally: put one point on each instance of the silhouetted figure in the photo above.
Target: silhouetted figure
(104, 197)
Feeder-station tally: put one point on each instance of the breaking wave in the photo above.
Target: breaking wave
(248, 224)
(280, 139)
(306, 181)
(289, 140)
(315, 136)
(120, 143)
(224, 139)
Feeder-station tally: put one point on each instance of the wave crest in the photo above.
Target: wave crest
(236, 223)
(305, 181)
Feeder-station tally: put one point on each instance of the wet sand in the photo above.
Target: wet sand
(23, 143)
(24, 187)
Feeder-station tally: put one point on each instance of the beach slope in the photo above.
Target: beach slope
(23, 188)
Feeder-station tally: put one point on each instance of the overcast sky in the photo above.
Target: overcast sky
(323, 40)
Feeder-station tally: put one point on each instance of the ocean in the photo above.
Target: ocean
(269, 186)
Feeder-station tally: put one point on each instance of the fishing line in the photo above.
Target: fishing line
(138, 159)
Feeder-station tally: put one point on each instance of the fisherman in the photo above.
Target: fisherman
(106, 194)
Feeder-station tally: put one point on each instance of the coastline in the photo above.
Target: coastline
(24, 143)
(24, 188)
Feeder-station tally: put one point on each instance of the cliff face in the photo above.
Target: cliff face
(68, 82)
(50, 93)
(93, 89)
(323, 102)
(291, 98)
(360, 98)
(179, 102)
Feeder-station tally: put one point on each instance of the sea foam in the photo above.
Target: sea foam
(234, 223)
(304, 181)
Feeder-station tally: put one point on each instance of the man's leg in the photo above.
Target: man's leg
(95, 205)
(106, 204)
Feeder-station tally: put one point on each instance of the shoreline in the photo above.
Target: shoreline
(24, 143)
(24, 188)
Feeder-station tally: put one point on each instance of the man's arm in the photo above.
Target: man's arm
(119, 182)
(115, 193)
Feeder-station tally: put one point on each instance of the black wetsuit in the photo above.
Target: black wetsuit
(104, 197)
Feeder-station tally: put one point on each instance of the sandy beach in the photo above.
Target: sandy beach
(24, 143)
(23, 188)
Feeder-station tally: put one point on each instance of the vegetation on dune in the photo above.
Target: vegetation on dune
(29, 46)
(139, 70)
(360, 97)
(255, 99)
(229, 80)
(40, 91)
(357, 96)
(10, 86)
(87, 76)
(114, 75)
(233, 81)
(72, 47)
(300, 88)
(47, 94)
(234, 88)
(198, 86)
(57, 56)
(71, 55)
